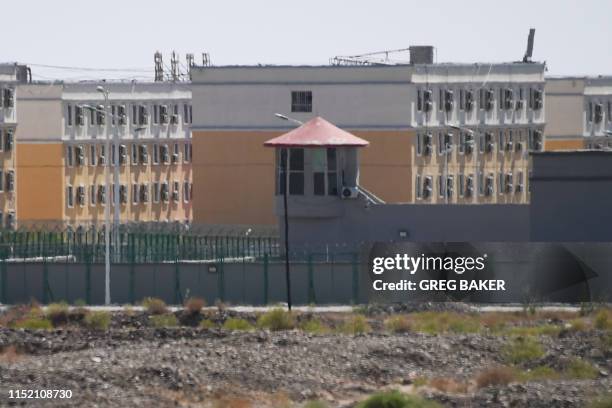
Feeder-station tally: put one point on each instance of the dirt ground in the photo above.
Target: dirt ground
(132, 364)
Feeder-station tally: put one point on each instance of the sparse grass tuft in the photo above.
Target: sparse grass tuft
(276, 319)
(237, 324)
(163, 320)
(155, 306)
(98, 320)
(207, 324)
(57, 313)
(603, 319)
(420, 381)
(578, 325)
(194, 305)
(500, 375)
(398, 324)
(448, 385)
(443, 322)
(542, 330)
(395, 399)
(314, 326)
(315, 404)
(34, 323)
(603, 401)
(522, 349)
(79, 303)
(540, 373)
(356, 324)
(581, 370)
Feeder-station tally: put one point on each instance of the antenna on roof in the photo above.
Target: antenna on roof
(529, 52)
(159, 67)
(190, 63)
(174, 66)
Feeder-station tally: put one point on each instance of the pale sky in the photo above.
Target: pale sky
(573, 37)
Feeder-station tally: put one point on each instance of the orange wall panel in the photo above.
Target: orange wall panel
(564, 144)
(40, 189)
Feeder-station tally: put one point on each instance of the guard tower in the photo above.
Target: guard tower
(319, 165)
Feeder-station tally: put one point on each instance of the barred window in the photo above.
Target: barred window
(301, 101)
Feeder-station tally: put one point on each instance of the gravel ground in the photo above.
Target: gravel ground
(131, 364)
(215, 368)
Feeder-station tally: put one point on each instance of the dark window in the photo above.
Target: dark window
(319, 183)
(419, 102)
(296, 171)
(301, 101)
(69, 112)
(332, 172)
(282, 175)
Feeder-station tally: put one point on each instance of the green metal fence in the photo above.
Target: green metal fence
(88, 245)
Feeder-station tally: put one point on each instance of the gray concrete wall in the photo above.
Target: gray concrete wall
(361, 223)
(571, 196)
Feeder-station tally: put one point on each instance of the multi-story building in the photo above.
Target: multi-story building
(438, 133)
(578, 112)
(10, 76)
(61, 151)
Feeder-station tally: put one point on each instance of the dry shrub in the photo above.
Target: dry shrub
(276, 319)
(448, 385)
(194, 305)
(155, 306)
(232, 402)
(398, 324)
(9, 355)
(603, 319)
(500, 375)
(57, 313)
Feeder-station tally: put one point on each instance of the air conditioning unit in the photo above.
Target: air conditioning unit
(163, 114)
(488, 142)
(174, 119)
(509, 146)
(598, 113)
(175, 157)
(537, 99)
(469, 100)
(489, 98)
(519, 188)
(518, 146)
(518, 105)
(349, 192)
(427, 100)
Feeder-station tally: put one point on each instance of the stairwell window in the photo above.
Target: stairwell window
(301, 101)
(418, 188)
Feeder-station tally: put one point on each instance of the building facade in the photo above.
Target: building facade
(438, 133)
(11, 75)
(578, 112)
(62, 152)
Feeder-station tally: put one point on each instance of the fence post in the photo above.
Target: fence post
(132, 254)
(88, 261)
(311, 292)
(355, 278)
(177, 284)
(47, 294)
(3, 282)
(265, 265)
(221, 280)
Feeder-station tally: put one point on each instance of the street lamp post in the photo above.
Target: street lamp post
(107, 298)
(286, 214)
